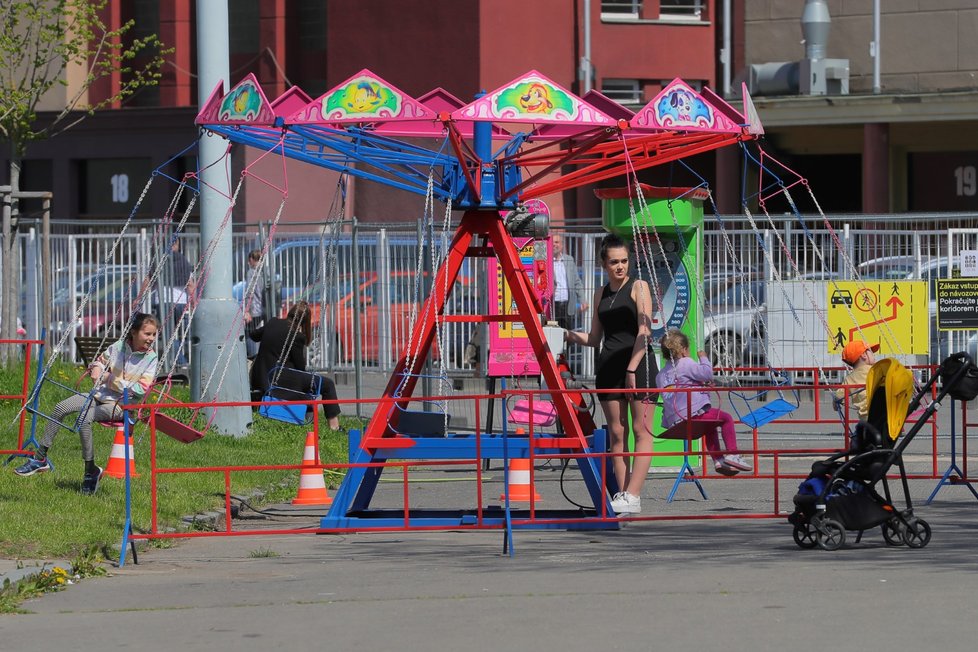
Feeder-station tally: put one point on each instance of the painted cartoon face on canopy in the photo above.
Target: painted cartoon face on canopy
(532, 98)
(536, 99)
(682, 102)
(680, 107)
(241, 99)
(365, 99)
(362, 97)
(242, 103)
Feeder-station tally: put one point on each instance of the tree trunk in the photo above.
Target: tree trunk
(10, 297)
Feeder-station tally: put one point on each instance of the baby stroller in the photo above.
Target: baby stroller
(844, 494)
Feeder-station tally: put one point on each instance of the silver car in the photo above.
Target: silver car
(733, 320)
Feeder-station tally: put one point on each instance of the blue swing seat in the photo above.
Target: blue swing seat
(298, 415)
(768, 412)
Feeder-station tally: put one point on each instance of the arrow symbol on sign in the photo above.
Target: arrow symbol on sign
(894, 303)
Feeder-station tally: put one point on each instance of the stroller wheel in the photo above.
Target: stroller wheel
(804, 536)
(829, 533)
(893, 532)
(917, 534)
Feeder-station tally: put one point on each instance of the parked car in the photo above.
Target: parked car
(733, 323)
(109, 291)
(367, 298)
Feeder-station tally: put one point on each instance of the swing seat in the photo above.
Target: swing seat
(543, 414)
(422, 424)
(690, 429)
(294, 414)
(179, 431)
(771, 410)
(768, 412)
(164, 423)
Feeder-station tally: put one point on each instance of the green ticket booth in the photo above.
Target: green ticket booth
(675, 217)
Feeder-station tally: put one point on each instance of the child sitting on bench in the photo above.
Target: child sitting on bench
(681, 370)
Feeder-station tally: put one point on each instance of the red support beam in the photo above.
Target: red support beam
(400, 387)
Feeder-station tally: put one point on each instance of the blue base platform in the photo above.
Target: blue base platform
(351, 503)
(494, 515)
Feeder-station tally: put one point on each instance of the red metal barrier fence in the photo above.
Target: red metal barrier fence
(21, 397)
(774, 464)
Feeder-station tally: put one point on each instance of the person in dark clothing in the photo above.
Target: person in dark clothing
(282, 342)
(622, 325)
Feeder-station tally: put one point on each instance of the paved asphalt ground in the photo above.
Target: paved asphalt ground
(730, 584)
(653, 585)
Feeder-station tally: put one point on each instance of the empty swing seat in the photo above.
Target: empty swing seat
(768, 412)
(423, 424)
(176, 429)
(543, 414)
(164, 423)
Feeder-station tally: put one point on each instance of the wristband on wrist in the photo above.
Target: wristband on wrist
(630, 371)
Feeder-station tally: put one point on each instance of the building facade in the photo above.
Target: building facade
(97, 169)
(903, 140)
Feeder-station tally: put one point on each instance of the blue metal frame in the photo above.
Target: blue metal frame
(953, 475)
(365, 154)
(350, 508)
(686, 474)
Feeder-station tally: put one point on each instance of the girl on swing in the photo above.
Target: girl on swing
(622, 325)
(128, 364)
(681, 370)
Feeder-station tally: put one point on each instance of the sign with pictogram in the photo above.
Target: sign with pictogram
(893, 314)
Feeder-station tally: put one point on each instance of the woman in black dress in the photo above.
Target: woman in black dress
(622, 325)
(282, 342)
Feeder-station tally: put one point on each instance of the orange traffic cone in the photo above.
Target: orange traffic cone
(116, 466)
(520, 487)
(312, 486)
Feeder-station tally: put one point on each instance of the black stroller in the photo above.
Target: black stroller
(843, 494)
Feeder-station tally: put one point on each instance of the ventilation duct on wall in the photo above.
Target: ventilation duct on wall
(813, 75)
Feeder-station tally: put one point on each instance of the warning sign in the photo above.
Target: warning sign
(893, 314)
(957, 304)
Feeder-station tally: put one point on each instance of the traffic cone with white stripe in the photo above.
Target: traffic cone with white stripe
(520, 487)
(116, 466)
(312, 486)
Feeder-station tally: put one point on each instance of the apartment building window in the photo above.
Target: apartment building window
(623, 91)
(243, 28)
(146, 18)
(680, 10)
(312, 25)
(621, 8)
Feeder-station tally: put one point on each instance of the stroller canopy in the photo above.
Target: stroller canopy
(898, 386)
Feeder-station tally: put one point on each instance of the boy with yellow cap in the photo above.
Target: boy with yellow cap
(859, 356)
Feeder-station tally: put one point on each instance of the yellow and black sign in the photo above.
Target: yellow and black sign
(957, 304)
(893, 314)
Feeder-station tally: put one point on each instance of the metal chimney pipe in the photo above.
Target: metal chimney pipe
(815, 23)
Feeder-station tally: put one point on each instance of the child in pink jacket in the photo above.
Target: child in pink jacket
(681, 370)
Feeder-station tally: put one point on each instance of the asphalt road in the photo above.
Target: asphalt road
(655, 585)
